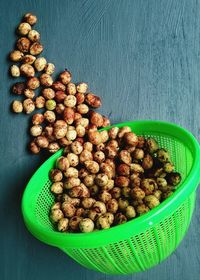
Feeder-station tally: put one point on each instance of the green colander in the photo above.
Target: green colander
(138, 244)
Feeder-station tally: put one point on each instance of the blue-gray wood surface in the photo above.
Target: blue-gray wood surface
(143, 58)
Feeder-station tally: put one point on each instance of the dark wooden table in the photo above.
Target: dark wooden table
(143, 58)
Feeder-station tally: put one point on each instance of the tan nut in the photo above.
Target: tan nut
(60, 131)
(131, 139)
(34, 148)
(14, 71)
(42, 141)
(82, 109)
(17, 106)
(36, 130)
(82, 87)
(58, 86)
(88, 146)
(36, 48)
(125, 157)
(16, 55)
(88, 202)
(71, 88)
(101, 179)
(68, 115)
(76, 147)
(96, 119)
(92, 166)
(24, 28)
(40, 63)
(48, 93)
(46, 80)
(30, 18)
(34, 36)
(27, 70)
(65, 77)
(23, 44)
(71, 182)
(70, 101)
(71, 172)
(28, 59)
(122, 181)
(33, 83)
(80, 98)
(99, 156)
(49, 68)
(53, 147)
(123, 130)
(28, 106)
(40, 102)
(37, 119)
(92, 100)
(29, 93)
(73, 159)
(94, 137)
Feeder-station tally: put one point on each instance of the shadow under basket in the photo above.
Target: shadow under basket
(140, 243)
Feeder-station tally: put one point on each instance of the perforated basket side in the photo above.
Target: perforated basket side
(140, 252)
(138, 244)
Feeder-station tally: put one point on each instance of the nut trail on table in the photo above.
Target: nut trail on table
(67, 106)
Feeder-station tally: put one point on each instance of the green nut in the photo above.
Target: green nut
(50, 104)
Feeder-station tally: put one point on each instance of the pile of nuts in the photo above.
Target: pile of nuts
(68, 107)
(108, 178)
(105, 177)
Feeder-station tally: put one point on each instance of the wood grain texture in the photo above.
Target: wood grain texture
(143, 58)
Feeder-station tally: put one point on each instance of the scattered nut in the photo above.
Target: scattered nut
(29, 93)
(33, 83)
(14, 71)
(36, 130)
(40, 102)
(58, 86)
(65, 77)
(34, 36)
(46, 80)
(18, 88)
(82, 88)
(24, 28)
(30, 18)
(34, 148)
(28, 106)
(49, 68)
(27, 70)
(71, 88)
(40, 64)
(37, 119)
(16, 55)
(23, 44)
(93, 100)
(50, 116)
(36, 48)
(17, 106)
(28, 59)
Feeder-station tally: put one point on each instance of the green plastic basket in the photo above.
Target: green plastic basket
(138, 244)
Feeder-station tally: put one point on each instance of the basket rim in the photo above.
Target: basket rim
(132, 227)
